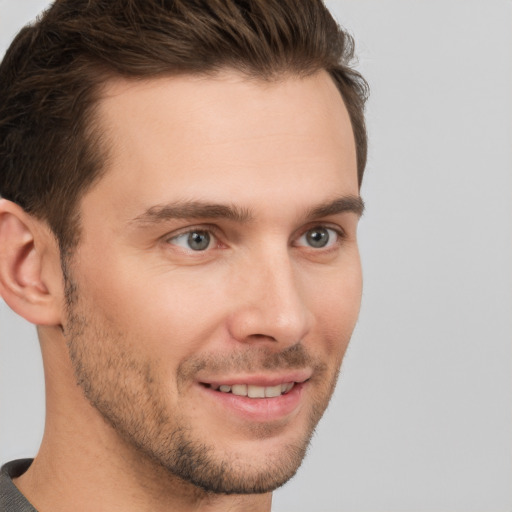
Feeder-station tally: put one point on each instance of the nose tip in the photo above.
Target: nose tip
(273, 309)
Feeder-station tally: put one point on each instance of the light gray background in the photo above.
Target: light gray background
(422, 418)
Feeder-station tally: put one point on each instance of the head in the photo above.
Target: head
(198, 165)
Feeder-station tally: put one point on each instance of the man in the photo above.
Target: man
(180, 185)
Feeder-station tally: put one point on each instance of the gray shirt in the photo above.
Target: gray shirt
(11, 499)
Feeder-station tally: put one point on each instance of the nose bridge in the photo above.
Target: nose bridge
(273, 305)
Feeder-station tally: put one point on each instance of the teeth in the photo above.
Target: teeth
(272, 391)
(256, 391)
(287, 387)
(239, 389)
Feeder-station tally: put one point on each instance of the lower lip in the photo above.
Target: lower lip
(259, 409)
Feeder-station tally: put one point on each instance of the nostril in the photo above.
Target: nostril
(262, 337)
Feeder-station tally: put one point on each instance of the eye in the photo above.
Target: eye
(195, 240)
(319, 237)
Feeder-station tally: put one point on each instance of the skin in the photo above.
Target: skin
(152, 322)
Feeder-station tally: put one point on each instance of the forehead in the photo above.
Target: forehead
(225, 136)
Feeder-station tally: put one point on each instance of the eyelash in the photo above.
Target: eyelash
(213, 230)
(339, 233)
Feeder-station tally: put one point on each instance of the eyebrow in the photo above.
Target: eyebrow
(351, 204)
(193, 210)
(202, 210)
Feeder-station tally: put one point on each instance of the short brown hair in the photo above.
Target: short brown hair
(51, 76)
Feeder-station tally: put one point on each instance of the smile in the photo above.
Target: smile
(258, 398)
(252, 391)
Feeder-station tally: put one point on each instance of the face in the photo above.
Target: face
(217, 281)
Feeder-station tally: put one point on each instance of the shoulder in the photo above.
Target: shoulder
(11, 499)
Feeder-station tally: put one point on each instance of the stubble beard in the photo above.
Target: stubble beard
(126, 392)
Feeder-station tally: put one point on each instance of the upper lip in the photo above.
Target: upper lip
(260, 379)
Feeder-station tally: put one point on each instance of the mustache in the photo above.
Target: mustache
(248, 360)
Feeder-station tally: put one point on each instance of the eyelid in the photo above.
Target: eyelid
(340, 233)
(209, 228)
(216, 234)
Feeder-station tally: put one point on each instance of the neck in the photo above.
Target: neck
(85, 465)
(72, 472)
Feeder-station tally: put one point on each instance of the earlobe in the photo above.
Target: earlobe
(22, 250)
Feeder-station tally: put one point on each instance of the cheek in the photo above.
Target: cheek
(168, 314)
(175, 313)
(336, 309)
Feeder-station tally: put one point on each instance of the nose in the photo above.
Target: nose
(271, 305)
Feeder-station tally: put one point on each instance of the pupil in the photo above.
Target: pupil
(318, 237)
(198, 240)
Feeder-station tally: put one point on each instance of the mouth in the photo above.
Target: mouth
(254, 391)
(258, 397)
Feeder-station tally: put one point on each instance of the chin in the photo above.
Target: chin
(235, 473)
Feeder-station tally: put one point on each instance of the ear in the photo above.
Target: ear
(30, 274)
